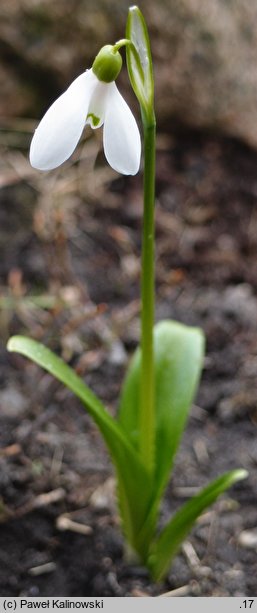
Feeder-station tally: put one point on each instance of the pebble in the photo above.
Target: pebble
(13, 402)
(248, 539)
(117, 355)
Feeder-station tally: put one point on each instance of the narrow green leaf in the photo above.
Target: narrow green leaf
(166, 545)
(45, 358)
(135, 493)
(139, 59)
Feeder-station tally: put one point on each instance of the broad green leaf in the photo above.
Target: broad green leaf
(178, 356)
(179, 360)
(139, 59)
(166, 545)
(134, 492)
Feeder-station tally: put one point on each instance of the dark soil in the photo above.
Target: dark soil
(69, 270)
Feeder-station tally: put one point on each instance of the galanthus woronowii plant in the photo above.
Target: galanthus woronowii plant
(163, 375)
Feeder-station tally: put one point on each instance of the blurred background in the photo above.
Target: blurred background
(204, 56)
(70, 276)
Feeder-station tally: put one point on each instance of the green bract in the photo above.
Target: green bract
(139, 61)
(107, 64)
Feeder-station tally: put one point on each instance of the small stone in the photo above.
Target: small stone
(248, 539)
(103, 496)
(117, 355)
(13, 403)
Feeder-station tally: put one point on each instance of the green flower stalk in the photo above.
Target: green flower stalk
(164, 373)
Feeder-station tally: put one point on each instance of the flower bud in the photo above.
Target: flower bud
(107, 64)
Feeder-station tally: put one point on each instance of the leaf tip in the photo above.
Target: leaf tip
(11, 343)
(239, 474)
(18, 343)
(134, 8)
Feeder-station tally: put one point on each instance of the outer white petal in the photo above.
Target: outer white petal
(60, 129)
(122, 143)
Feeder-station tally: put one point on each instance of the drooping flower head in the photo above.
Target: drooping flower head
(94, 99)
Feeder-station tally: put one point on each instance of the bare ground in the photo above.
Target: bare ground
(69, 266)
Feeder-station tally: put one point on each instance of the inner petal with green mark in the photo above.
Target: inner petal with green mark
(97, 106)
(93, 120)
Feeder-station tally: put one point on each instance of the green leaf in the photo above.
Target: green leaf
(166, 545)
(178, 357)
(139, 59)
(135, 493)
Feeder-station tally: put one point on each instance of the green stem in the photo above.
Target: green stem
(147, 409)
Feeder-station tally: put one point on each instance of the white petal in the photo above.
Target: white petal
(122, 144)
(61, 127)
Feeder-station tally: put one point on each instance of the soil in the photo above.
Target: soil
(69, 266)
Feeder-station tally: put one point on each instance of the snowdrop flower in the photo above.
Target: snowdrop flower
(93, 98)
